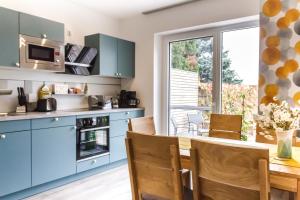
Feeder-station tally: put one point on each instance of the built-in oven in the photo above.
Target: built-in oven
(92, 137)
(41, 54)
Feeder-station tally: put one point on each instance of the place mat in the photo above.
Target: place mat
(294, 162)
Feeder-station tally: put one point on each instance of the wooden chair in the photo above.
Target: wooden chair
(142, 125)
(154, 167)
(225, 126)
(232, 172)
(145, 125)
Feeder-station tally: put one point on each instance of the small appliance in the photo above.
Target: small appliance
(97, 102)
(128, 99)
(41, 53)
(46, 105)
(92, 137)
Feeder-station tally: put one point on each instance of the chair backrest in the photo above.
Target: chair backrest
(225, 126)
(232, 172)
(142, 125)
(154, 166)
(195, 118)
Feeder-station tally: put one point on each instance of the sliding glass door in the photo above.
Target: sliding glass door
(191, 76)
(215, 73)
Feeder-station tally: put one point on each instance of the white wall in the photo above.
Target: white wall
(79, 21)
(142, 29)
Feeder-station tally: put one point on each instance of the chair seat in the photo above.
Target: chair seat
(187, 193)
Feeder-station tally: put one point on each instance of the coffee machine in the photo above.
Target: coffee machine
(128, 99)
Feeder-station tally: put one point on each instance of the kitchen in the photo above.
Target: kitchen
(57, 128)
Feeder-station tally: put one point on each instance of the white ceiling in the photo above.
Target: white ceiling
(125, 8)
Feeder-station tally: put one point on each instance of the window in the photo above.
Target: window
(215, 70)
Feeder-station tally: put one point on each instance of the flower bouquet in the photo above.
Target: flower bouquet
(282, 119)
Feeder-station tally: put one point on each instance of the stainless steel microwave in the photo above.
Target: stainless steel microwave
(41, 54)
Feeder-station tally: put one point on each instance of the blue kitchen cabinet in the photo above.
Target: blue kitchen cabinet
(116, 57)
(15, 161)
(9, 37)
(42, 28)
(126, 58)
(106, 61)
(117, 148)
(53, 154)
(118, 128)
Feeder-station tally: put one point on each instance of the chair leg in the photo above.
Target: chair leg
(186, 179)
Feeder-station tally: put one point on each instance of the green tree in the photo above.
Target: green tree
(196, 55)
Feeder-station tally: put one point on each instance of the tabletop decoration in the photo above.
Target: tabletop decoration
(282, 119)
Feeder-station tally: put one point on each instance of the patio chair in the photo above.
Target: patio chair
(198, 121)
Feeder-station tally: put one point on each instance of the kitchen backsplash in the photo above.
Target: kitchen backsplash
(32, 81)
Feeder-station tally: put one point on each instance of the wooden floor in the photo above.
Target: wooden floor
(110, 185)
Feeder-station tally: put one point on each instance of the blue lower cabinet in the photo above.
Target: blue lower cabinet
(118, 128)
(117, 148)
(92, 163)
(15, 162)
(53, 154)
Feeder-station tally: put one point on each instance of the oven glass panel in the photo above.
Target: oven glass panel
(93, 142)
(41, 53)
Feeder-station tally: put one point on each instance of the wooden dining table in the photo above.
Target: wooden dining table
(284, 174)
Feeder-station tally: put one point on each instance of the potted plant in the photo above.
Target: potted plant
(282, 119)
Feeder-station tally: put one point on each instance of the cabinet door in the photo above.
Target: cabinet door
(118, 128)
(37, 27)
(126, 58)
(53, 154)
(9, 37)
(117, 148)
(15, 162)
(108, 55)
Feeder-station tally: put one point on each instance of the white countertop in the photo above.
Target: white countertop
(62, 113)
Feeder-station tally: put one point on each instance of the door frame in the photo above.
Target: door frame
(216, 32)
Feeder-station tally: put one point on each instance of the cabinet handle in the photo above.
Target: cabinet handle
(116, 74)
(44, 36)
(2, 136)
(120, 74)
(94, 161)
(75, 127)
(127, 113)
(127, 121)
(56, 119)
(17, 64)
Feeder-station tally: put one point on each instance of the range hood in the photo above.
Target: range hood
(78, 59)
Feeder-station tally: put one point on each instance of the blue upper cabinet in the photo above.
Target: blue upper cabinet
(53, 154)
(126, 58)
(9, 37)
(115, 56)
(42, 28)
(15, 161)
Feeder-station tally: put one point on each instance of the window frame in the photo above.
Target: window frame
(216, 33)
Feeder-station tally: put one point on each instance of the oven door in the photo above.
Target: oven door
(43, 54)
(92, 142)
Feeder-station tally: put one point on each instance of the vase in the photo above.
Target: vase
(284, 144)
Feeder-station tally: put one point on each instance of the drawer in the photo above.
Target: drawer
(126, 115)
(283, 183)
(118, 128)
(53, 122)
(13, 126)
(92, 163)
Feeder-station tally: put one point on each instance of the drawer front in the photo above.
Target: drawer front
(53, 122)
(92, 163)
(283, 183)
(13, 126)
(117, 149)
(126, 115)
(118, 128)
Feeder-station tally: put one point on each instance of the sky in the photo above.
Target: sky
(243, 46)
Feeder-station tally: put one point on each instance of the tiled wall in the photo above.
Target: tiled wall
(32, 81)
(280, 51)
